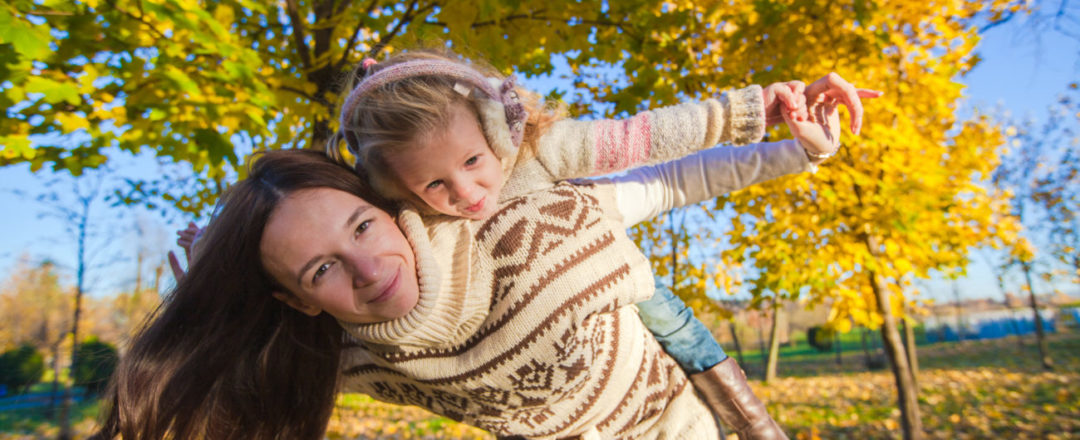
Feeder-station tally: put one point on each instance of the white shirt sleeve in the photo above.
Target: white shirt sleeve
(644, 192)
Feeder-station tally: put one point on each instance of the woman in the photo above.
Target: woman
(221, 357)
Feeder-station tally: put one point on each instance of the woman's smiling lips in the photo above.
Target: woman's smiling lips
(389, 290)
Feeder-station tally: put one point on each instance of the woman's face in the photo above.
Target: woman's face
(337, 253)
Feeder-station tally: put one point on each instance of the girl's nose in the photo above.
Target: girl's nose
(463, 191)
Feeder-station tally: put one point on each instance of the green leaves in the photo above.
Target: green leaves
(55, 92)
(29, 39)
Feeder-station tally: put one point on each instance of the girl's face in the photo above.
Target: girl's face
(337, 253)
(453, 170)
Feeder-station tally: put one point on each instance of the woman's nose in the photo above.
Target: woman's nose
(365, 270)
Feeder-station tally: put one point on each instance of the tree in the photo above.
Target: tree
(193, 80)
(21, 367)
(902, 199)
(821, 338)
(115, 319)
(774, 343)
(97, 362)
(73, 203)
(1057, 181)
(38, 311)
(35, 306)
(1040, 176)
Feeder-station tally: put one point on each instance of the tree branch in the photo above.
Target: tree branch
(352, 39)
(302, 48)
(996, 23)
(410, 13)
(137, 18)
(533, 17)
(319, 100)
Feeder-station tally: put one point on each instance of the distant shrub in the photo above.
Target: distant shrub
(95, 362)
(20, 368)
(821, 338)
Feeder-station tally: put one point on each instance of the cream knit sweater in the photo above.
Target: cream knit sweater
(539, 339)
(575, 148)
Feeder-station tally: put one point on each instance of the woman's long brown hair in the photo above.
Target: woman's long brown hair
(221, 358)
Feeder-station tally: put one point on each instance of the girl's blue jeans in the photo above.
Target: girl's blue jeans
(682, 335)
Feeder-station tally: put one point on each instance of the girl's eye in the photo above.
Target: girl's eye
(319, 272)
(472, 160)
(434, 184)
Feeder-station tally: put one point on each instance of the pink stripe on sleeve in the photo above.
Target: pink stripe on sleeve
(622, 144)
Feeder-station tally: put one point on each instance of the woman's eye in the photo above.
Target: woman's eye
(363, 226)
(319, 272)
(434, 184)
(472, 160)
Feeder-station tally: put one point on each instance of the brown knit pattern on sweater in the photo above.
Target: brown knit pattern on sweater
(561, 353)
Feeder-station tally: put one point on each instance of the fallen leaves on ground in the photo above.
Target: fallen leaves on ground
(973, 390)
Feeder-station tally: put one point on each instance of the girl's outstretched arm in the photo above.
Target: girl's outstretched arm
(575, 148)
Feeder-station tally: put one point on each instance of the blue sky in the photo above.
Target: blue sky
(1018, 73)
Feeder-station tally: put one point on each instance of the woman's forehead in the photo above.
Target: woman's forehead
(304, 216)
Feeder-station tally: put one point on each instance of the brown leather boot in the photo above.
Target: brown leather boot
(726, 392)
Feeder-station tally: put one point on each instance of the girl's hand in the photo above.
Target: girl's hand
(784, 97)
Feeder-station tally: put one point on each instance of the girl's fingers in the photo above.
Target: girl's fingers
(786, 97)
(797, 87)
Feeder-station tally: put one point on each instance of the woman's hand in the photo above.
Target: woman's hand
(833, 87)
(819, 134)
(187, 239)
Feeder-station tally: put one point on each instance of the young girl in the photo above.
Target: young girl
(455, 139)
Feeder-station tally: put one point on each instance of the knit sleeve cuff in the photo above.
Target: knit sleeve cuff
(746, 115)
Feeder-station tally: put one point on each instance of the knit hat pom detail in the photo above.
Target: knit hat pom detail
(515, 110)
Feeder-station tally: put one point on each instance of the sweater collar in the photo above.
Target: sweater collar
(448, 310)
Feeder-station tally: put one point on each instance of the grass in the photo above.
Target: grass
(36, 423)
(975, 389)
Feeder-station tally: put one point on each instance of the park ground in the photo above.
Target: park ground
(968, 390)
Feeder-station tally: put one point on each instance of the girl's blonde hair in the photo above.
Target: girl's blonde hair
(393, 116)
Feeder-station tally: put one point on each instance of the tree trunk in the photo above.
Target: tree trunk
(738, 347)
(158, 271)
(907, 394)
(912, 354)
(836, 340)
(774, 346)
(80, 286)
(1040, 336)
(761, 347)
(865, 350)
(960, 326)
(138, 271)
(1008, 305)
(51, 411)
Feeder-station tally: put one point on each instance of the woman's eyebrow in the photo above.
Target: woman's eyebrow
(356, 214)
(315, 260)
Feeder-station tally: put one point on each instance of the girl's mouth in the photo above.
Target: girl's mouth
(475, 207)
